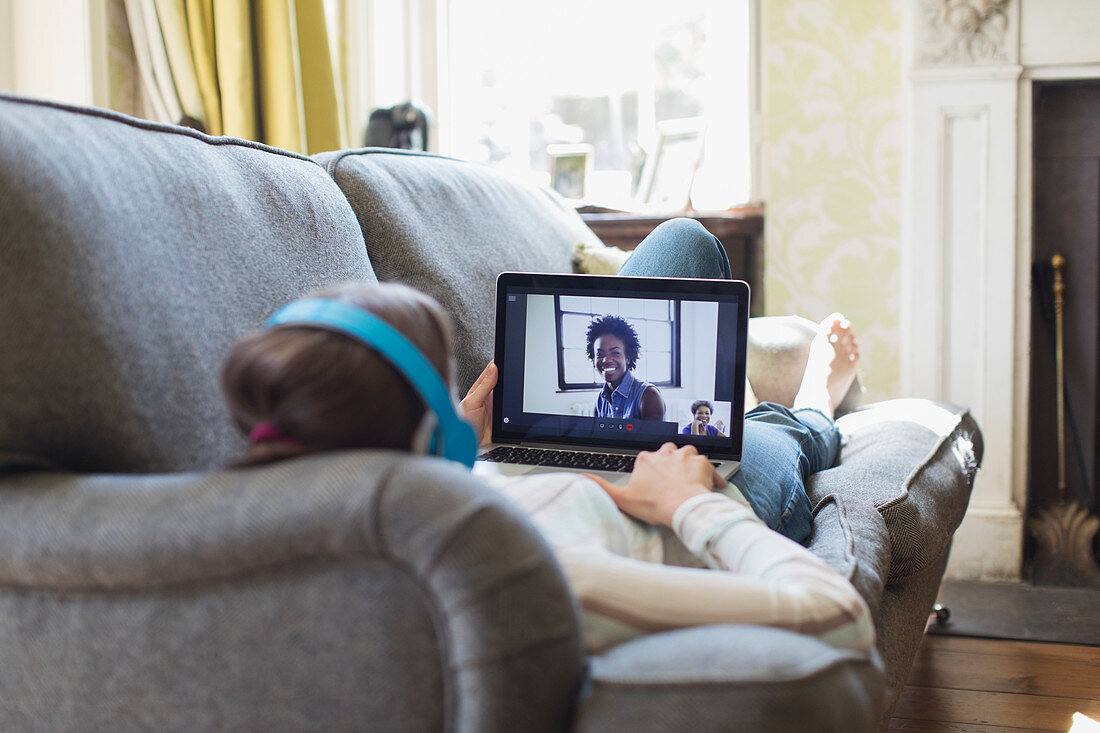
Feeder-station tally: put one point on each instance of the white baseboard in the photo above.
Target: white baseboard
(988, 545)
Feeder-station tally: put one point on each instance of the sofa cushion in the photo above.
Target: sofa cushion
(132, 256)
(913, 460)
(449, 227)
(599, 259)
(730, 678)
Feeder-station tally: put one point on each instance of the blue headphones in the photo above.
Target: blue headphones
(453, 437)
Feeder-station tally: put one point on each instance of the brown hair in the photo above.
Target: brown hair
(325, 390)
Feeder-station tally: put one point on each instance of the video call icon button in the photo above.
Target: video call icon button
(620, 426)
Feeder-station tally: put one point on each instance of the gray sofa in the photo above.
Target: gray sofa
(143, 586)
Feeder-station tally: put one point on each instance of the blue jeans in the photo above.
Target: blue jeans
(679, 248)
(781, 448)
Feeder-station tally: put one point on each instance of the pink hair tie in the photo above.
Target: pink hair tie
(269, 432)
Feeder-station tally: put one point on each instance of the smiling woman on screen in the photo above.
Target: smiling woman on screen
(613, 347)
(701, 411)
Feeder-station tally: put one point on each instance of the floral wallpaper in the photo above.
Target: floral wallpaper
(832, 183)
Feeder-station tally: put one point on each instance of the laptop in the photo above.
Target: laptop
(578, 392)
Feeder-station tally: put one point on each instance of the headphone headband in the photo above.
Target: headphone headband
(454, 438)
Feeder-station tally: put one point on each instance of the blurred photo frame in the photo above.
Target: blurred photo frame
(668, 174)
(570, 166)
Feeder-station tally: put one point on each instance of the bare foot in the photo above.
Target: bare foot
(830, 367)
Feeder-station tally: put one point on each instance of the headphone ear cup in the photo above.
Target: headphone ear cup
(459, 441)
(424, 440)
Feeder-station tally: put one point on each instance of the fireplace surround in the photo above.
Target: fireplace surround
(973, 73)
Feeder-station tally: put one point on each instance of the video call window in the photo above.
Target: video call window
(657, 323)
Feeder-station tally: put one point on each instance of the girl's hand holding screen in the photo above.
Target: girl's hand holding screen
(477, 405)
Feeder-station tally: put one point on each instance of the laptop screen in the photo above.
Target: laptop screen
(621, 362)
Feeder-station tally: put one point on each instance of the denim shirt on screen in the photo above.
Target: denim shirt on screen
(625, 402)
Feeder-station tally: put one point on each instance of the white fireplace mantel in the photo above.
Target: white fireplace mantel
(966, 223)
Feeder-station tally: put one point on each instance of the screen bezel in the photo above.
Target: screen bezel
(651, 287)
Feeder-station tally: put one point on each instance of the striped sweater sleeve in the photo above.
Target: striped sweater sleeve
(759, 577)
(805, 595)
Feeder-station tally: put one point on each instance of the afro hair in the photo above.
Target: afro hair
(618, 327)
(699, 403)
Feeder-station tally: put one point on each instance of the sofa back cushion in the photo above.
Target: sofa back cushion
(132, 256)
(448, 228)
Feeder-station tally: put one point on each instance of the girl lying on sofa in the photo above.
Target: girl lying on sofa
(299, 389)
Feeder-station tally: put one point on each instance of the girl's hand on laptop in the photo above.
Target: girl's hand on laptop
(662, 481)
(477, 405)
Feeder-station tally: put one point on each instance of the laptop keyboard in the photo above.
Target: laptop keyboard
(579, 461)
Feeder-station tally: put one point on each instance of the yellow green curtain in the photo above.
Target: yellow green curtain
(261, 70)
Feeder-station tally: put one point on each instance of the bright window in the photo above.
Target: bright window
(525, 76)
(657, 323)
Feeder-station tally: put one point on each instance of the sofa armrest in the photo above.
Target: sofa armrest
(914, 461)
(722, 678)
(360, 588)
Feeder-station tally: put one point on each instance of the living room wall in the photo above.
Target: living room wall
(832, 134)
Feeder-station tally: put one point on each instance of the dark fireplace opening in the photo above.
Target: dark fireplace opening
(1066, 180)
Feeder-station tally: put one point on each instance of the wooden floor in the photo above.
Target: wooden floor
(970, 685)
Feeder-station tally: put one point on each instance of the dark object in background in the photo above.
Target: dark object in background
(193, 122)
(1042, 285)
(403, 126)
